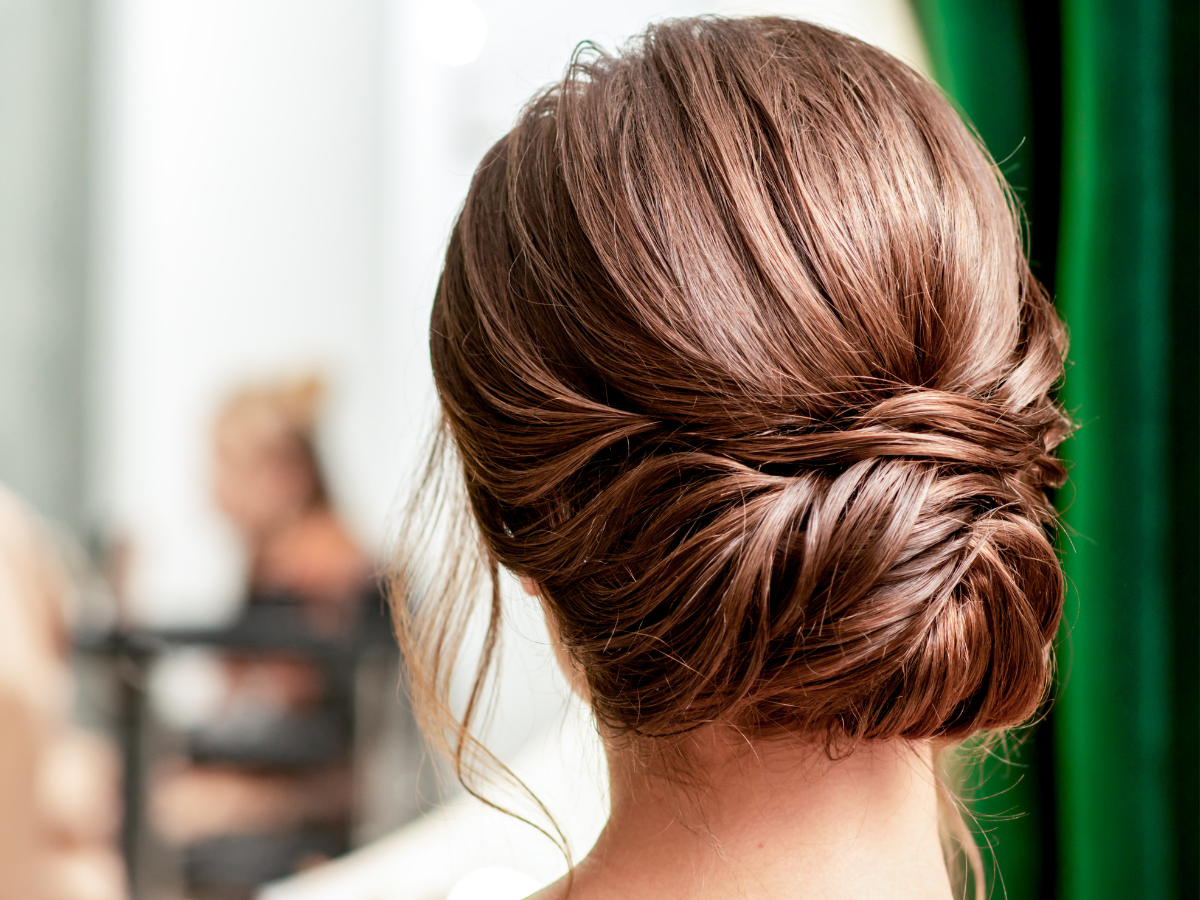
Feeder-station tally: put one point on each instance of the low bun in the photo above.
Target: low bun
(745, 367)
(868, 582)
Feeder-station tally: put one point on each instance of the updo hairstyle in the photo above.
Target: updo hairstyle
(745, 367)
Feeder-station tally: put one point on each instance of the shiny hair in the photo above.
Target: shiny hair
(743, 363)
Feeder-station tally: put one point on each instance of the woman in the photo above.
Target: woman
(307, 569)
(271, 488)
(749, 382)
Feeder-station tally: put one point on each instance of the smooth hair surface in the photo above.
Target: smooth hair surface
(744, 365)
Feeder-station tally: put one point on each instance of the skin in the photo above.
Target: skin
(261, 489)
(299, 546)
(763, 819)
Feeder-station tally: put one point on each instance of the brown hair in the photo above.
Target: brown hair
(745, 367)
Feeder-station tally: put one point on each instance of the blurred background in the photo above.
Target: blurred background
(221, 225)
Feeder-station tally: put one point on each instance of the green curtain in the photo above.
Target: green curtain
(1090, 105)
(1121, 723)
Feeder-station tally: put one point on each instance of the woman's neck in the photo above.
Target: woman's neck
(773, 819)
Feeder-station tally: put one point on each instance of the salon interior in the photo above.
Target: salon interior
(221, 226)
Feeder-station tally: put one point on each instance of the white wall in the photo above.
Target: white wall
(237, 233)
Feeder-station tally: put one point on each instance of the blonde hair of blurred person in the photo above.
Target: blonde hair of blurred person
(269, 483)
(58, 784)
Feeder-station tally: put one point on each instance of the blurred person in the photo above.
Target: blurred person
(269, 484)
(58, 783)
(304, 565)
(748, 380)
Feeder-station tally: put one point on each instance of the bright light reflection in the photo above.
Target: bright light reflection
(451, 32)
(494, 884)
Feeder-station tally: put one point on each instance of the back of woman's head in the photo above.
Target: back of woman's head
(745, 366)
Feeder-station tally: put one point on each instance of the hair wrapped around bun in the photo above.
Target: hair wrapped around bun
(745, 367)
